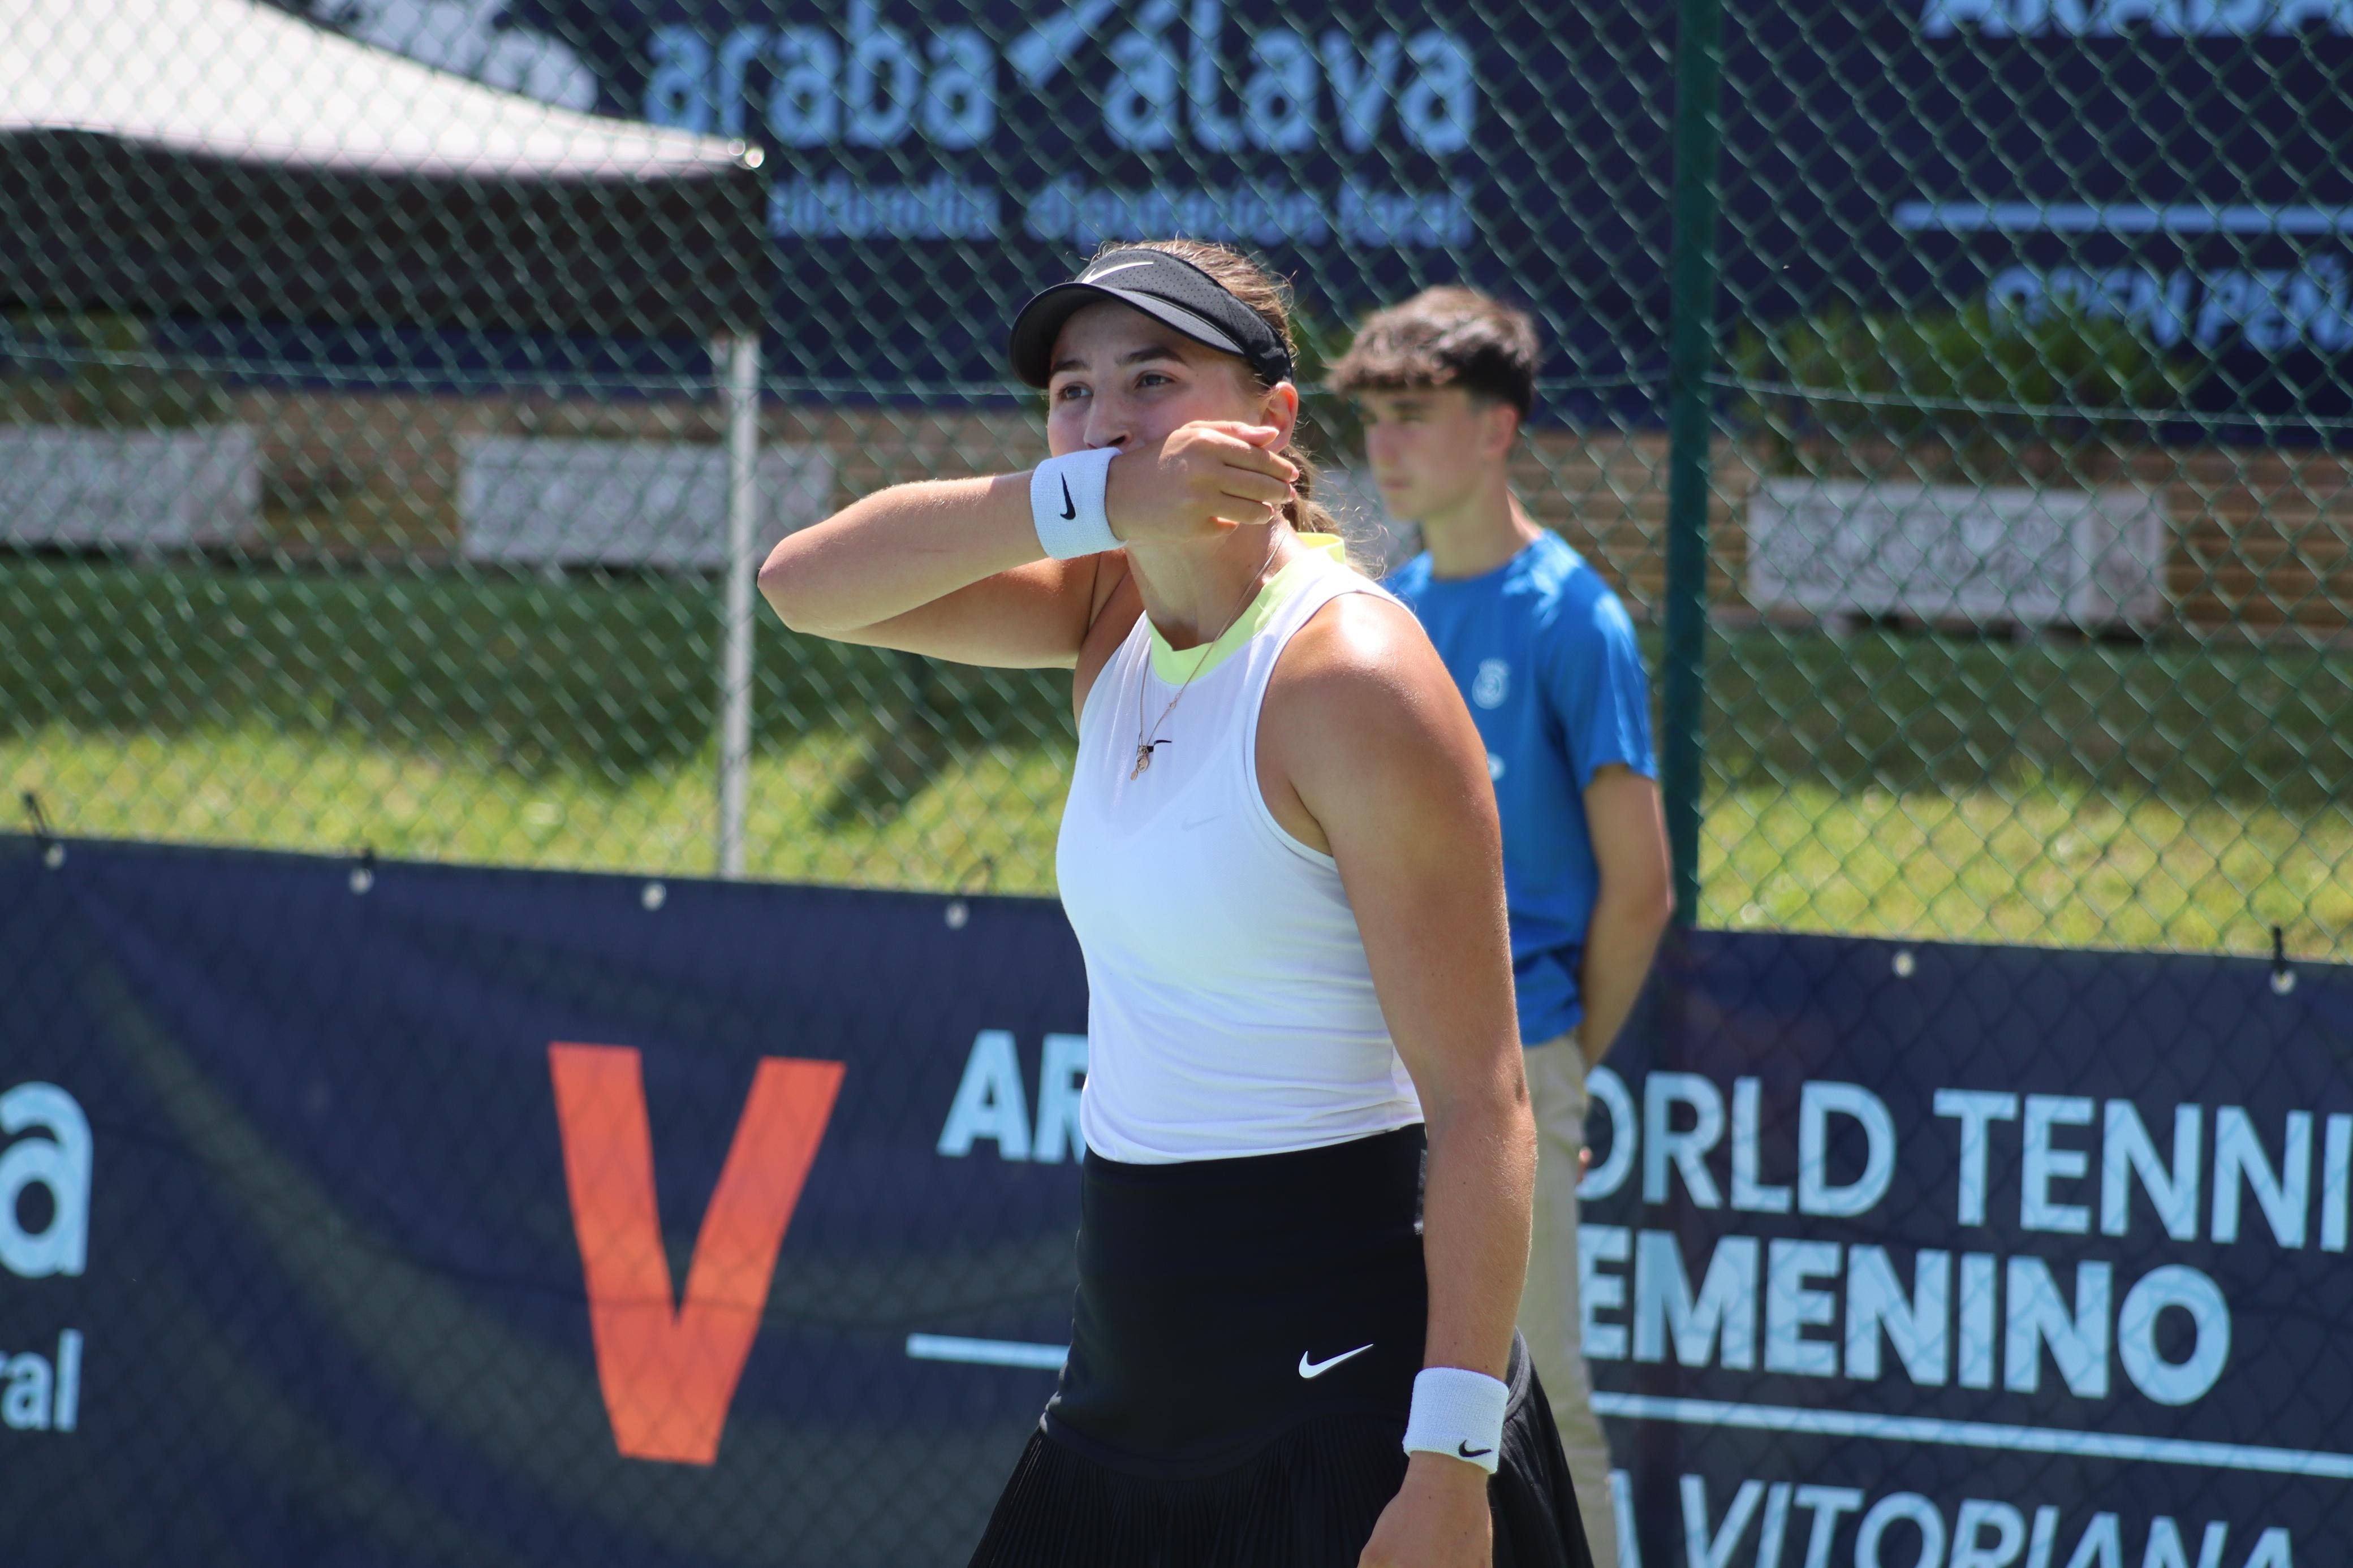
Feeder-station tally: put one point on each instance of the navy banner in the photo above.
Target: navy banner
(2175, 163)
(424, 1215)
(1897, 1257)
(404, 1214)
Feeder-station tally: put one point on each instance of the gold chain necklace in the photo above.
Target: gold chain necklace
(1145, 746)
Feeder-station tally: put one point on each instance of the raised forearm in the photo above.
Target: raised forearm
(1475, 1222)
(898, 550)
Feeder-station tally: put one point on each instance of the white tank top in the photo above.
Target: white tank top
(1230, 1009)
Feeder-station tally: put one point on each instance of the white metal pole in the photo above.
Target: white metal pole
(741, 398)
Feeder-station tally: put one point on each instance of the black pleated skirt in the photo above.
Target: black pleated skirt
(1242, 1354)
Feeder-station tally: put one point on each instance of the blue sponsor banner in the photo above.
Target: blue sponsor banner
(404, 1214)
(2167, 163)
(934, 165)
(2177, 164)
(1903, 1255)
(309, 1190)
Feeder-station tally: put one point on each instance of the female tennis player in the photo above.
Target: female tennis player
(1279, 853)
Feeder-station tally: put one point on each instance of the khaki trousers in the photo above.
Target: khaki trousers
(1548, 1316)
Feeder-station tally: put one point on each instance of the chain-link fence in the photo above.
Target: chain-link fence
(1959, 388)
(2033, 405)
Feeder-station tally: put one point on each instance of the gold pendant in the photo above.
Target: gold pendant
(1143, 760)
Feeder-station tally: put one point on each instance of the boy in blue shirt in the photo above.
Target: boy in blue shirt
(1547, 660)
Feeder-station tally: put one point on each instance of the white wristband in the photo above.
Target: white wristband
(1066, 503)
(1458, 1413)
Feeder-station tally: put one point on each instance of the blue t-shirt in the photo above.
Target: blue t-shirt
(1547, 659)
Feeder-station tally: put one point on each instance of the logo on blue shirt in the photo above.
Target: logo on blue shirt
(1492, 684)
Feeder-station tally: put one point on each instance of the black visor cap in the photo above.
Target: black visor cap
(1166, 288)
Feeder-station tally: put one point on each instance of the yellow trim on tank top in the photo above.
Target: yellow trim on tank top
(1175, 667)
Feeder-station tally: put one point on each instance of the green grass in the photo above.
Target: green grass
(986, 821)
(2043, 865)
(2170, 795)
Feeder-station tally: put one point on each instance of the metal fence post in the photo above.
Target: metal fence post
(1689, 430)
(740, 397)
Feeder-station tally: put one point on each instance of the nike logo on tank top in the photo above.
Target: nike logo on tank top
(1230, 1009)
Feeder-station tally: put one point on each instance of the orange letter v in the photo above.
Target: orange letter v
(668, 1375)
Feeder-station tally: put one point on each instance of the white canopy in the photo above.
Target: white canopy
(219, 158)
(234, 79)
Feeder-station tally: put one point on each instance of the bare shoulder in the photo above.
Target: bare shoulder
(1363, 666)
(1363, 728)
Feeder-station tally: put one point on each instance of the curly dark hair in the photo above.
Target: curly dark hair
(1444, 337)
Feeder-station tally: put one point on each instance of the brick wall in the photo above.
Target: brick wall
(359, 477)
(2263, 540)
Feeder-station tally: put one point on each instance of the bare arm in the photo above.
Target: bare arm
(1637, 898)
(1381, 753)
(952, 568)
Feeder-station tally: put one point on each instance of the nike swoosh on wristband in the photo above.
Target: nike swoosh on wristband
(1069, 506)
(1318, 1368)
(1468, 1452)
